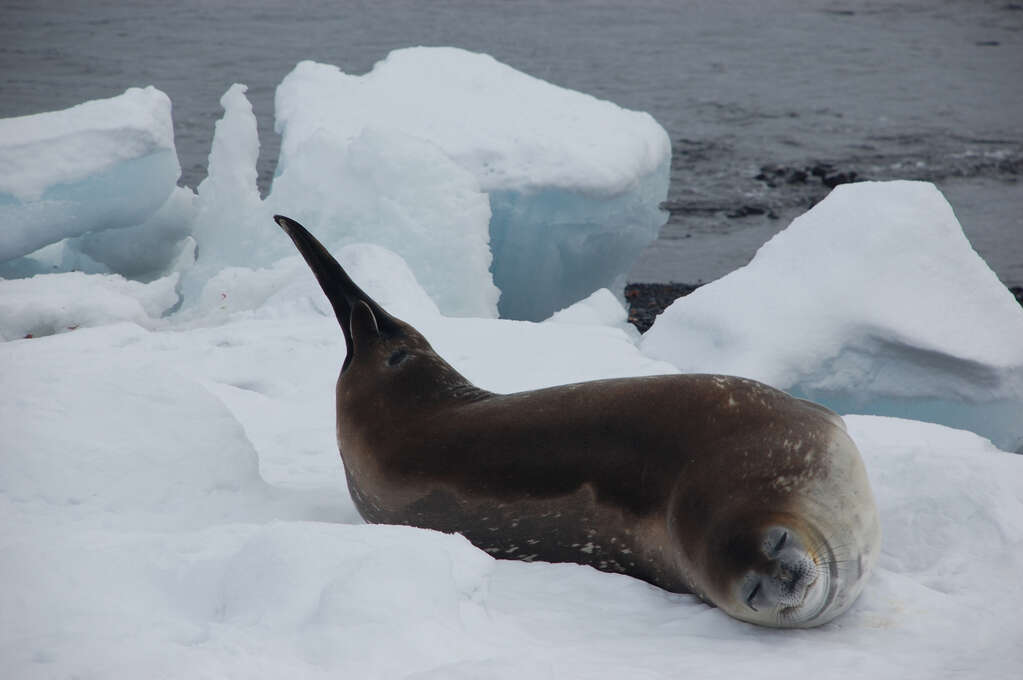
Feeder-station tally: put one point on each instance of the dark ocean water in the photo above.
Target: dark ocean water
(802, 94)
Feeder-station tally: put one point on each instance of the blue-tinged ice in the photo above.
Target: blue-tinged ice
(872, 302)
(232, 227)
(108, 164)
(573, 182)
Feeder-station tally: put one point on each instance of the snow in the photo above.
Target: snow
(288, 287)
(104, 164)
(171, 495)
(871, 302)
(55, 303)
(573, 182)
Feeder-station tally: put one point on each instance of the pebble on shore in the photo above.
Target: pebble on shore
(647, 300)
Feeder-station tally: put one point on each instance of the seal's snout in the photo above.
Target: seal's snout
(794, 571)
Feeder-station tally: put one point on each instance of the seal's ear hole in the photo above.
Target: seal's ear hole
(397, 357)
(363, 323)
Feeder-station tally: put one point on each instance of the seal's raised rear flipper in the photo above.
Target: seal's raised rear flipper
(342, 292)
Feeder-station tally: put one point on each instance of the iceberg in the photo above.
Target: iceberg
(872, 302)
(104, 164)
(573, 182)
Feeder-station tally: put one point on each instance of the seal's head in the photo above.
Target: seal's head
(789, 536)
(785, 570)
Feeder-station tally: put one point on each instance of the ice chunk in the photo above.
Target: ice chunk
(146, 250)
(385, 188)
(232, 228)
(55, 303)
(872, 302)
(602, 308)
(555, 246)
(404, 194)
(104, 164)
(574, 182)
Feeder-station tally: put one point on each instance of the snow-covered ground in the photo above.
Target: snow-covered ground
(172, 503)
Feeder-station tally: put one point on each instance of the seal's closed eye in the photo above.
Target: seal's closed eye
(781, 543)
(753, 596)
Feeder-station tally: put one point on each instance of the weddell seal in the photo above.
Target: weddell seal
(756, 501)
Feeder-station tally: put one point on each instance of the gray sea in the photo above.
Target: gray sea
(768, 102)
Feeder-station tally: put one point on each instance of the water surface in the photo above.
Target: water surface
(919, 90)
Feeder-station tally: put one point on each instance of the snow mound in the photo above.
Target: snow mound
(104, 164)
(124, 458)
(601, 308)
(573, 182)
(288, 288)
(871, 302)
(55, 303)
(951, 512)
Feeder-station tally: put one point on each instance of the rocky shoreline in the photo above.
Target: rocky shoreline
(647, 300)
